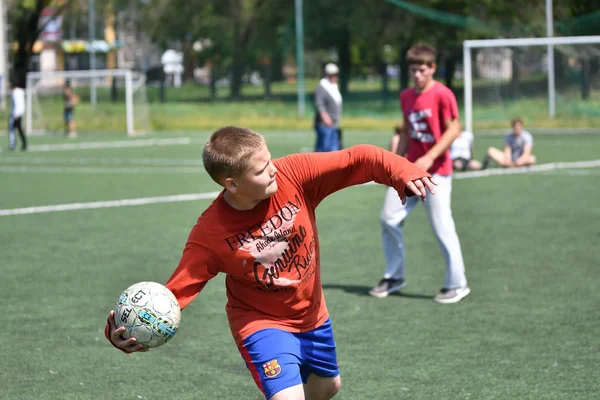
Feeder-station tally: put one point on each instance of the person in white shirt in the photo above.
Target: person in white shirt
(517, 148)
(461, 153)
(17, 110)
(328, 111)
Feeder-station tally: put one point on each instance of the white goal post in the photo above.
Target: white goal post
(507, 43)
(52, 82)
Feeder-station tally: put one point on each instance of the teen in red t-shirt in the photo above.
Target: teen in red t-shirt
(430, 126)
(261, 232)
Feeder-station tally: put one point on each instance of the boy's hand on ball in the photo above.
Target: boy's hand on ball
(127, 345)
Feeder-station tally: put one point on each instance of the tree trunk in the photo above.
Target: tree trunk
(213, 81)
(277, 65)
(385, 82)
(113, 91)
(27, 31)
(404, 75)
(344, 61)
(237, 68)
(243, 29)
(189, 60)
(585, 78)
(450, 69)
(514, 83)
(26, 28)
(267, 73)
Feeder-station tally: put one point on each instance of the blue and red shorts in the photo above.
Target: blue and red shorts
(278, 359)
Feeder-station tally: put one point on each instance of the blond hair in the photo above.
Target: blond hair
(420, 54)
(228, 151)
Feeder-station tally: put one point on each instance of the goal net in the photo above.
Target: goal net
(548, 82)
(109, 101)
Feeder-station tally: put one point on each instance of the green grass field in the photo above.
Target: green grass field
(529, 330)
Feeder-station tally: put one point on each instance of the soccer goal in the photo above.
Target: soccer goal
(538, 79)
(109, 101)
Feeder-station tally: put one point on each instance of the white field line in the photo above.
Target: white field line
(574, 172)
(109, 145)
(102, 161)
(108, 204)
(212, 195)
(102, 170)
(526, 170)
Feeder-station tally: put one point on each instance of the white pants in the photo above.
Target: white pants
(440, 219)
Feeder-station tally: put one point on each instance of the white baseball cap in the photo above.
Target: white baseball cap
(331, 69)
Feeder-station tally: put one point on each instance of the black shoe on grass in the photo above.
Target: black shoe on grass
(386, 287)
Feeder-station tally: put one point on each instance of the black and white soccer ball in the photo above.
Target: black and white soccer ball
(149, 312)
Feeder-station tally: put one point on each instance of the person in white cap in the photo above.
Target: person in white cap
(328, 111)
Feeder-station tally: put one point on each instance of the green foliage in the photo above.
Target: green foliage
(586, 24)
(357, 31)
(444, 17)
(25, 4)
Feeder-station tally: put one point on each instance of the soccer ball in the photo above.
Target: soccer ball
(149, 312)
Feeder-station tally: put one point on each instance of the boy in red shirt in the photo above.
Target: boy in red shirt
(430, 126)
(261, 232)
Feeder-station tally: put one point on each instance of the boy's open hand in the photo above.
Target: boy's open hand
(419, 187)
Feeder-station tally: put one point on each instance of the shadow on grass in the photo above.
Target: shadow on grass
(364, 291)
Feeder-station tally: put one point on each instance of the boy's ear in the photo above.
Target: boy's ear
(230, 185)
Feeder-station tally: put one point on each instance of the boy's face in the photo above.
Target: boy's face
(258, 182)
(517, 128)
(422, 74)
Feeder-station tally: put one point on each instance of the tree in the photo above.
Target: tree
(232, 27)
(359, 31)
(330, 26)
(274, 29)
(25, 17)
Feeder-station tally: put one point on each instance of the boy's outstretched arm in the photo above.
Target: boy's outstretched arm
(321, 174)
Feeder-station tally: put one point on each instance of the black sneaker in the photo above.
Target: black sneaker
(485, 162)
(386, 287)
(449, 296)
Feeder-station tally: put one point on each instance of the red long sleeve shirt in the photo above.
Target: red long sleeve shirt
(270, 254)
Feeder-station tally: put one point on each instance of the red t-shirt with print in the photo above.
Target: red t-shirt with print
(425, 114)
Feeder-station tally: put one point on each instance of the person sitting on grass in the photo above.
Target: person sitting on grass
(461, 152)
(517, 148)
